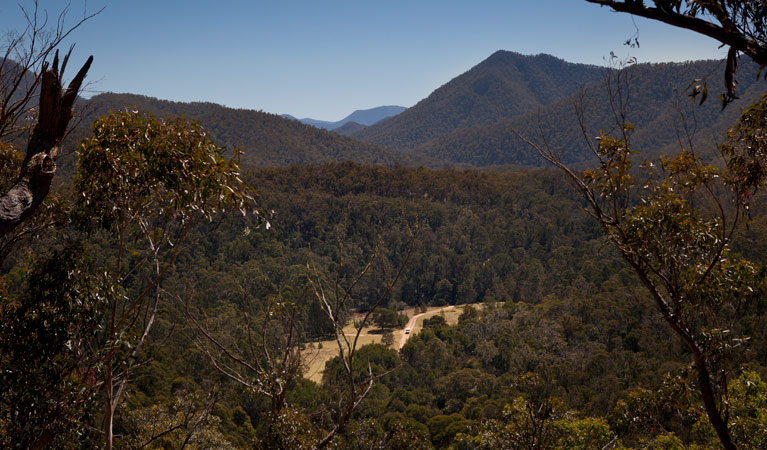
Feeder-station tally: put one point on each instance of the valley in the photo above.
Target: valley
(538, 254)
(318, 353)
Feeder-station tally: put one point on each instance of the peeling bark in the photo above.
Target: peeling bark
(39, 166)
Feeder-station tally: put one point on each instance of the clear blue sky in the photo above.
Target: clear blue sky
(324, 59)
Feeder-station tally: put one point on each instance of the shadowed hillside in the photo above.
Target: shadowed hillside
(503, 86)
(657, 105)
(267, 140)
(349, 128)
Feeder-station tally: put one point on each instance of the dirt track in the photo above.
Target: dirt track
(412, 321)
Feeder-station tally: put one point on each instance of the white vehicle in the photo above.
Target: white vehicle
(407, 330)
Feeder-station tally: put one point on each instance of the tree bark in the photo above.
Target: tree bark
(39, 166)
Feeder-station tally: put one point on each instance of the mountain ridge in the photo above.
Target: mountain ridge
(447, 132)
(267, 140)
(658, 106)
(364, 117)
(504, 85)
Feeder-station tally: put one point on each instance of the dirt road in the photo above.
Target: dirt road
(411, 323)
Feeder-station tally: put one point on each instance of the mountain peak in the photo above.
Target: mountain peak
(503, 86)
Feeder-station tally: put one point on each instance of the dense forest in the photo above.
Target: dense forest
(563, 316)
(170, 272)
(266, 139)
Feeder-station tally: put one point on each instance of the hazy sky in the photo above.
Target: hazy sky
(324, 59)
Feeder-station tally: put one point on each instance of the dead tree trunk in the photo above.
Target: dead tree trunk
(39, 166)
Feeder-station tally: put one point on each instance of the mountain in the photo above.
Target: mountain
(503, 86)
(374, 115)
(364, 117)
(12, 73)
(267, 140)
(313, 122)
(657, 104)
(349, 128)
(19, 92)
(469, 120)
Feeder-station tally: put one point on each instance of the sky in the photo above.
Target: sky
(325, 59)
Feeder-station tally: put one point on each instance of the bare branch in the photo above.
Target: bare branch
(39, 166)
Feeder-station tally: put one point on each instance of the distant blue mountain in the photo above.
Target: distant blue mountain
(313, 122)
(365, 117)
(369, 117)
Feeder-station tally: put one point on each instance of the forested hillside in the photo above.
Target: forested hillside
(265, 139)
(503, 86)
(657, 103)
(349, 128)
(191, 276)
(469, 121)
(563, 316)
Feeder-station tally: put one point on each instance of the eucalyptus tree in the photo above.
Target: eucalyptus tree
(672, 220)
(145, 182)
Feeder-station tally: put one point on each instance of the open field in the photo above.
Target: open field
(316, 354)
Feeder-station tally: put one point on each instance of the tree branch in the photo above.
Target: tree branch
(730, 37)
(39, 165)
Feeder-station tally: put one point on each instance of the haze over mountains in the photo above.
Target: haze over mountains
(363, 117)
(469, 120)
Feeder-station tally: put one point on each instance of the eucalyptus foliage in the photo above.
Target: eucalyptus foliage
(48, 362)
(136, 165)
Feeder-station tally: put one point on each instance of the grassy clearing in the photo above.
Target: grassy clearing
(316, 354)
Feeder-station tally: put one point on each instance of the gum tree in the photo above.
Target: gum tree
(145, 182)
(672, 220)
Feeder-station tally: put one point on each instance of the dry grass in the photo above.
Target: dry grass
(316, 357)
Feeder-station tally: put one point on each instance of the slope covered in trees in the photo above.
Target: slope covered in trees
(468, 121)
(265, 139)
(503, 86)
(349, 128)
(658, 105)
(566, 323)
